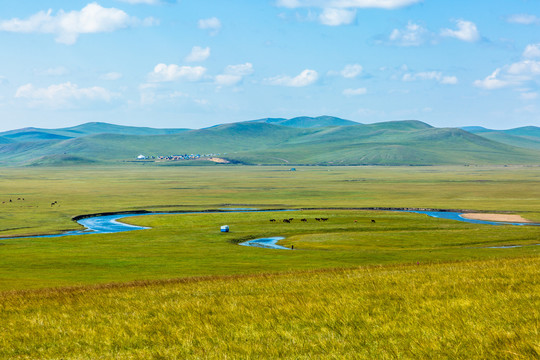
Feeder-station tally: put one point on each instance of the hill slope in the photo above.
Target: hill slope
(31, 134)
(261, 142)
(308, 122)
(525, 137)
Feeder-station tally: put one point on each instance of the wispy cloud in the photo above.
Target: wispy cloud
(63, 95)
(523, 19)
(342, 12)
(340, 4)
(54, 71)
(234, 74)
(355, 92)
(305, 78)
(466, 31)
(147, 2)
(198, 54)
(351, 71)
(431, 75)
(67, 26)
(173, 72)
(111, 76)
(212, 24)
(412, 35)
(532, 51)
(336, 17)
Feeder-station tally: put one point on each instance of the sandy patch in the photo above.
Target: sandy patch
(218, 160)
(496, 217)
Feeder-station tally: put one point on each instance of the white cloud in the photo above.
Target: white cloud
(240, 69)
(517, 74)
(340, 4)
(227, 79)
(524, 19)
(55, 71)
(431, 75)
(111, 76)
(213, 24)
(525, 68)
(67, 26)
(178, 94)
(355, 92)
(466, 31)
(412, 35)
(529, 96)
(198, 54)
(134, 2)
(449, 80)
(172, 72)
(63, 95)
(305, 78)
(336, 17)
(532, 51)
(492, 81)
(233, 74)
(351, 71)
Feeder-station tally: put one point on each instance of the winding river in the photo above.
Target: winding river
(107, 224)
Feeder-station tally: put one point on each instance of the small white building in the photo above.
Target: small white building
(225, 228)
(141, 157)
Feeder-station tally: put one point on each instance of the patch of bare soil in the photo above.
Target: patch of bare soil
(497, 217)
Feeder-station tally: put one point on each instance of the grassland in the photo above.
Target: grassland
(470, 310)
(406, 286)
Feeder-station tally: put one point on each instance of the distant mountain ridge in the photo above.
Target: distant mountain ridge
(321, 140)
(86, 129)
(308, 122)
(526, 136)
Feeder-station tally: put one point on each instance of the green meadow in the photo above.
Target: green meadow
(404, 286)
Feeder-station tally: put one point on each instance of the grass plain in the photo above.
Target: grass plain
(406, 286)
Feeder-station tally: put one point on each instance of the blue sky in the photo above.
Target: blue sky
(196, 63)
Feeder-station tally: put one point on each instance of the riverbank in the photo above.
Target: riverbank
(497, 217)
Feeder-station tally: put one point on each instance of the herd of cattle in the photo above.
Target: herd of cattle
(289, 220)
(10, 200)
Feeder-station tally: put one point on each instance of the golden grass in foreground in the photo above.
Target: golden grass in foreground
(465, 310)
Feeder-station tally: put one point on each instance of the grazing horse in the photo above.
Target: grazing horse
(318, 219)
(272, 220)
(372, 221)
(304, 220)
(286, 221)
(324, 219)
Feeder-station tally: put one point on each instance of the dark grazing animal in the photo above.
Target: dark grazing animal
(304, 220)
(272, 220)
(286, 221)
(372, 221)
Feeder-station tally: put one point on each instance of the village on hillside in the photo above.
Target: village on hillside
(210, 157)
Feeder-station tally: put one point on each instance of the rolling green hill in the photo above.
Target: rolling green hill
(308, 122)
(92, 128)
(266, 142)
(4, 140)
(525, 137)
